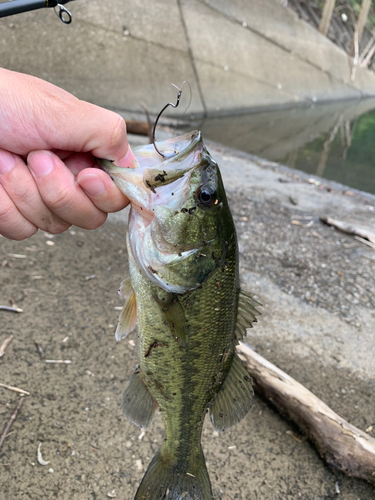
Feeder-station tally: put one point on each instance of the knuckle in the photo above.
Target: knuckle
(6, 211)
(60, 200)
(57, 228)
(23, 194)
(52, 223)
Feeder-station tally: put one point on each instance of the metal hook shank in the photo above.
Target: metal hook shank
(161, 112)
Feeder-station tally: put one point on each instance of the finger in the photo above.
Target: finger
(102, 191)
(47, 117)
(77, 162)
(12, 224)
(18, 183)
(61, 193)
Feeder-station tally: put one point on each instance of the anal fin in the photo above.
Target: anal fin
(234, 398)
(137, 404)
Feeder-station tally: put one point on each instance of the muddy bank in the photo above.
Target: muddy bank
(318, 320)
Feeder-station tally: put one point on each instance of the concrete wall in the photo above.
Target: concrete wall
(236, 54)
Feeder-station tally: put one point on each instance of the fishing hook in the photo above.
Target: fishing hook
(162, 111)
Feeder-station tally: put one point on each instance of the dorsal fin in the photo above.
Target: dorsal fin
(246, 314)
(128, 316)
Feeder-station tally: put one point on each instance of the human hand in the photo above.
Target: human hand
(48, 141)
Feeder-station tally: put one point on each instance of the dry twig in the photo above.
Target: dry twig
(39, 349)
(340, 444)
(4, 345)
(59, 361)
(11, 420)
(15, 389)
(11, 309)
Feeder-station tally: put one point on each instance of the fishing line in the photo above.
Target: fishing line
(165, 107)
(188, 106)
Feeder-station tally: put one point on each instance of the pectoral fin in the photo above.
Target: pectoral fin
(234, 399)
(128, 316)
(246, 313)
(137, 404)
(126, 288)
(175, 316)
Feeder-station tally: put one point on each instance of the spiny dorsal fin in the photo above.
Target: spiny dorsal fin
(137, 404)
(234, 399)
(246, 314)
(128, 316)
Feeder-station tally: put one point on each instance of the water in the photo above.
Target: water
(335, 141)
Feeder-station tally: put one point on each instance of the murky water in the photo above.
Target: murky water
(335, 141)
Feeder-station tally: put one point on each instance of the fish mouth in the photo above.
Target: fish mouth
(151, 171)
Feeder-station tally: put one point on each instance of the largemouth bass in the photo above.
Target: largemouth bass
(184, 294)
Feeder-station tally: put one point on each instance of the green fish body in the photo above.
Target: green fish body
(184, 294)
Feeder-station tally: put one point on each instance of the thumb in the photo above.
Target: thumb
(100, 132)
(43, 116)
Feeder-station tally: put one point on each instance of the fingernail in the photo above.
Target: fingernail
(7, 161)
(92, 185)
(40, 162)
(129, 160)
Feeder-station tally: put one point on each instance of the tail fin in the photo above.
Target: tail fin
(165, 481)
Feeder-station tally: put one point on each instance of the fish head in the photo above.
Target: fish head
(180, 225)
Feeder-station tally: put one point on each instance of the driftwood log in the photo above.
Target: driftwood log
(350, 229)
(137, 127)
(340, 444)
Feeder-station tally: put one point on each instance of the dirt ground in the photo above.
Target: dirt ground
(317, 286)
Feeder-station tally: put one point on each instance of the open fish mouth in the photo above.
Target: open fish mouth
(153, 178)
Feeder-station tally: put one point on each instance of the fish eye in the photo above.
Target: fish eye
(206, 196)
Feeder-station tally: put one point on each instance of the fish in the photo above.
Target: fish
(184, 295)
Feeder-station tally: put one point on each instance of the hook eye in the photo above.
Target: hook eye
(64, 14)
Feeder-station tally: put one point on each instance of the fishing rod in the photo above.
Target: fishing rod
(19, 6)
